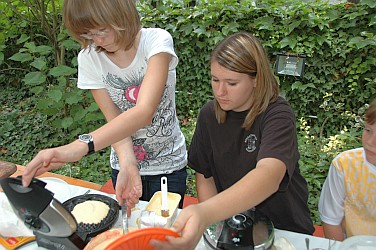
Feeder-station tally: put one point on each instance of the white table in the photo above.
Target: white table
(297, 239)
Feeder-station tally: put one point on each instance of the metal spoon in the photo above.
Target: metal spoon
(307, 243)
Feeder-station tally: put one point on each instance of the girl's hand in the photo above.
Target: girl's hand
(129, 187)
(191, 224)
(52, 158)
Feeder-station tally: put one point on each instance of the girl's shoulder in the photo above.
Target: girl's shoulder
(155, 33)
(279, 108)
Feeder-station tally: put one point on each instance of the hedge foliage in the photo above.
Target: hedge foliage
(338, 42)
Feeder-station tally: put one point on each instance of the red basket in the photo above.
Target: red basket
(140, 239)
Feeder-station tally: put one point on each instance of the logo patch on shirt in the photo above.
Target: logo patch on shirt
(250, 143)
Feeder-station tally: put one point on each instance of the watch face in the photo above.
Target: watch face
(85, 137)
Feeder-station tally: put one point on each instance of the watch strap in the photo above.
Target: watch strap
(91, 148)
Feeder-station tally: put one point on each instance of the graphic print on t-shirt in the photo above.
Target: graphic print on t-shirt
(123, 91)
(250, 142)
(154, 141)
(139, 150)
(131, 93)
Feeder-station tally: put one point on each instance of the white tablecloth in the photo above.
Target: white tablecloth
(296, 239)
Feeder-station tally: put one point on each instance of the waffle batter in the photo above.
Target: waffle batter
(90, 212)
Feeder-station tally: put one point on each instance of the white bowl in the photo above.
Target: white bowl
(359, 242)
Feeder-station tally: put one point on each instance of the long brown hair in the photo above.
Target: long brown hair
(120, 15)
(243, 53)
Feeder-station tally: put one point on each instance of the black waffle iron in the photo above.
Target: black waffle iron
(250, 230)
(51, 221)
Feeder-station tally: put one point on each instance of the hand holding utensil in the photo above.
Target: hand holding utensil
(124, 217)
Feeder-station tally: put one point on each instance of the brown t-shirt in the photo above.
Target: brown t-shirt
(227, 152)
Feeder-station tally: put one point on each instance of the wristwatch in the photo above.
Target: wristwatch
(88, 139)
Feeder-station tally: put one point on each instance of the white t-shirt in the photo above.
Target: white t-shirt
(349, 194)
(160, 147)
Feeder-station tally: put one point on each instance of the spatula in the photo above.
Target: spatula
(124, 217)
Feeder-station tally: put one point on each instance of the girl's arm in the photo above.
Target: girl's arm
(333, 231)
(120, 127)
(251, 190)
(248, 192)
(205, 187)
(142, 114)
(129, 185)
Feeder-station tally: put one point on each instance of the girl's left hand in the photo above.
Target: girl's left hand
(190, 224)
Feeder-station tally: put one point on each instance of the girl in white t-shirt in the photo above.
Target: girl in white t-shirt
(131, 73)
(347, 203)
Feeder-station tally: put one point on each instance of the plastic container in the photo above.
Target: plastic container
(140, 239)
(155, 205)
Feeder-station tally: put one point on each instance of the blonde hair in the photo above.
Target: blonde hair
(370, 117)
(119, 15)
(243, 53)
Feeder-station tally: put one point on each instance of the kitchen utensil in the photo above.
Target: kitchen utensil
(164, 206)
(307, 243)
(155, 205)
(87, 231)
(248, 230)
(53, 226)
(124, 217)
(140, 239)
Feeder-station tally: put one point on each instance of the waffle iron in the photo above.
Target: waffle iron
(250, 230)
(51, 221)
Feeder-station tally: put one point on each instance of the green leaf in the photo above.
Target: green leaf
(73, 98)
(360, 42)
(66, 122)
(31, 46)
(79, 114)
(43, 49)
(264, 23)
(39, 63)
(34, 78)
(93, 107)
(37, 90)
(370, 3)
(288, 41)
(21, 57)
(293, 25)
(62, 70)
(55, 94)
(23, 38)
(71, 44)
(44, 104)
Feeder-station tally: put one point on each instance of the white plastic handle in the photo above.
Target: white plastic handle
(164, 193)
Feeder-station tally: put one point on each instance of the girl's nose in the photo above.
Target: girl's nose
(221, 90)
(97, 40)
